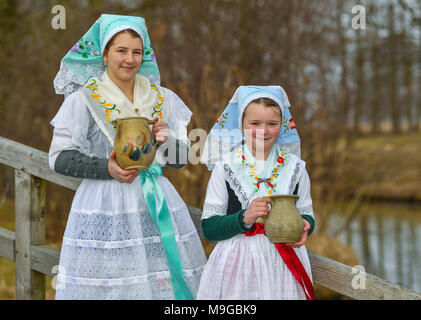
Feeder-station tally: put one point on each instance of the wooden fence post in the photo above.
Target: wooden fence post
(30, 193)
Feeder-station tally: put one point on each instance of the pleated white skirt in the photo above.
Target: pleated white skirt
(250, 268)
(112, 250)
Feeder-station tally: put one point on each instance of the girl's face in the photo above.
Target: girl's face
(261, 125)
(124, 57)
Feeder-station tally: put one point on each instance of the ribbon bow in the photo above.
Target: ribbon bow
(162, 218)
(263, 180)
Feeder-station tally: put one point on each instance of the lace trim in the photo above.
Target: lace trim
(116, 212)
(306, 210)
(235, 185)
(125, 281)
(293, 148)
(66, 82)
(123, 243)
(295, 176)
(210, 210)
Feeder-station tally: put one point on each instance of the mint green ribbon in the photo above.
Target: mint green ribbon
(162, 219)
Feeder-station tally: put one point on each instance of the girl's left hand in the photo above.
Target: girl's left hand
(303, 236)
(161, 132)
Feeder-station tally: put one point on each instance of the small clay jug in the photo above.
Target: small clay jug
(134, 143)
(283, 224)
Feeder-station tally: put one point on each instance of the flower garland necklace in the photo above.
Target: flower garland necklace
(280, 162)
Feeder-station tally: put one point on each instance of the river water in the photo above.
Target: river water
(387, 240)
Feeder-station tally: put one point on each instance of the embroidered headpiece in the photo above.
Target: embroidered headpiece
(84, 59)
(226, 134)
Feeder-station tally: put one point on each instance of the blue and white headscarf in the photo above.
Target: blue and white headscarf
(85, 59)
(226, 134)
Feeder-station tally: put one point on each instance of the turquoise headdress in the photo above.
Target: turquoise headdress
(84, 59)
(226, 134)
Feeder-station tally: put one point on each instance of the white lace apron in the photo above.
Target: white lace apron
(111, 248)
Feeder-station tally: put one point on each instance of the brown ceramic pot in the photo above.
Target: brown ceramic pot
(284, 223)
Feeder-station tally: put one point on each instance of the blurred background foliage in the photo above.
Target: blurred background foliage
(355, 94)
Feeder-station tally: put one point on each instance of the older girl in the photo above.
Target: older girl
(128, 235)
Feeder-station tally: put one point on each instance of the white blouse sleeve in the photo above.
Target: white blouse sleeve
(178, 119)
(71, 125)
(216, 201)
(179, 116)
(304, 203)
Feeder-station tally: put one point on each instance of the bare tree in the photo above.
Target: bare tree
(393, 70)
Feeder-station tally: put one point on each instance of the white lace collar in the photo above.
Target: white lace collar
(279, 175)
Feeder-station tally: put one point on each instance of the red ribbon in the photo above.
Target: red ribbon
(290, 259)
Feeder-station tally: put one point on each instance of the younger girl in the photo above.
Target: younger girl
(245, 264)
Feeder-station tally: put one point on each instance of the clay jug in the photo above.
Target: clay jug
(134, 143)
(283, 224)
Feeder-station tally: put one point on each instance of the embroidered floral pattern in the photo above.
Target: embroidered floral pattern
(291, 123)
(157, 109)
(222, 119)
(287, 124)
(83, 48)
(109, 107)
(269, 182)
(149, 54)
(163, 283)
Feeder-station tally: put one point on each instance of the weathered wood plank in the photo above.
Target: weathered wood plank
(32, 161)
(23, 229)
(339, 277)
(37, 213)
(7, 244)
(30, 229)
(37, 225)
(44, 259)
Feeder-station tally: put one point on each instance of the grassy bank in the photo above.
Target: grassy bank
(386, 167)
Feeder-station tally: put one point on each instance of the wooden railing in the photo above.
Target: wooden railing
(26, 246)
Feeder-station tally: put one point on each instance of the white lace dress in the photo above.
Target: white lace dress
(111, 248)
(250, 267)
